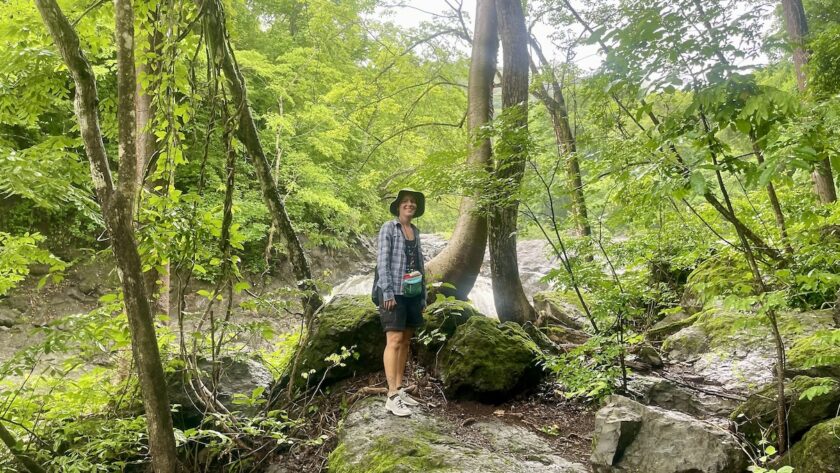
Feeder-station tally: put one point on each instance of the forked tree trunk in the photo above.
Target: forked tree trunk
(511, 155)
(460, 262)
(797, 28)
(117, 208)
(215, 32)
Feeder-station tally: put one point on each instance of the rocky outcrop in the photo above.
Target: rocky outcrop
(818, 451)
(441, 320)
(631, 437)
(817, 355)
(373, 440)
(670, 325)
(758, 413)
(736, 349)
(489, 361)
(668, 394)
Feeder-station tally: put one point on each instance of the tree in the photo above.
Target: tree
(118, 203)
(797, 30)
(511, 155)
(459, 263)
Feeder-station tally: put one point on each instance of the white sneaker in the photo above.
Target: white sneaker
(406, 399)
(396, 406)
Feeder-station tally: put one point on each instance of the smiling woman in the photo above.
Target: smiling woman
(402, 292)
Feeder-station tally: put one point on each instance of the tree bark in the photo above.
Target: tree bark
(215, 32)
(797, 29)
(552, 98)
(774, 199)
(460, 262)
(117, 208)
(511, 155)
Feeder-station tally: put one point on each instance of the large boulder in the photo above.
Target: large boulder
(490, 361)
(736, 349)
(243, 386)
(347, 322)
(818, 451)
(372, 440)
(441, 320)
(562, 307)
(758, 412)
(631, 437)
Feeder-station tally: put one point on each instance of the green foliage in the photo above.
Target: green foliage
(589, 371)
(18, 253)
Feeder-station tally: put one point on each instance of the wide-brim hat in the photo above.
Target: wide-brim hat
(421, 202)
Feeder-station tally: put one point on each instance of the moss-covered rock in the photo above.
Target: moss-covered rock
(758, 412)
(562, 306)
(816, 355)
(670, 325)
(487, 360)
(565, 336)
(541, 339)
(818, 451)
(347, 321)
(441, 320)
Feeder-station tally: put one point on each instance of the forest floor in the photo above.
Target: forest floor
(565, 425)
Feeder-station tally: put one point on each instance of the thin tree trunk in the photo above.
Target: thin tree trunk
(25, 459)
(797, 28)
(215, 32)
(553, 100)
(511, 156)
(460, 262)
(117, 208)
(774, 199)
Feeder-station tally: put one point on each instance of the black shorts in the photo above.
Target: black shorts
(407, 314)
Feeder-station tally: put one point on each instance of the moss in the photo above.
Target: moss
(391, 455)
(345, 322)
(758, 412)
(487, 360)
(818, 354)
(560, 298)
(671, 325)
(818, 451)
(441, 320)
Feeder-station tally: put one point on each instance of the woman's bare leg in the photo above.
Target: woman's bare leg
(405, 346)
(391, 359)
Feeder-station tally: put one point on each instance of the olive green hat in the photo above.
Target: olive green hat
(421, 202)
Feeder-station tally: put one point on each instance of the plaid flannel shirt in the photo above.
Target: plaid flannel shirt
(391, 261)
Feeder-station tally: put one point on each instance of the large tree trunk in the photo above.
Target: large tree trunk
(117, 209)
(511, 156)
(552, 98)
(459, 263)
(215, 32)
(797, 29)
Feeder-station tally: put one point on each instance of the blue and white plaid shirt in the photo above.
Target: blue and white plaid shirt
(391, 261)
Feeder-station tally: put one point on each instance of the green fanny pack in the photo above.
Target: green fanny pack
(412, 284)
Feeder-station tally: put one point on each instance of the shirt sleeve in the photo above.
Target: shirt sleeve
(383, 262)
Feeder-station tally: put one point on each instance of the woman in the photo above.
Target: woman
(402, 293)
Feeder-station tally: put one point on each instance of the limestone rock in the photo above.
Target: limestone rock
(670, 325)
(631, 437)
(488, 360)
(9, 317)
(758, 413)
(817, 355)
(374, 440)
(736, 349)
(818, 451)
(565, 336)
(669, 395)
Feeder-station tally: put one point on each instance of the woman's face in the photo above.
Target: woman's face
(408, 206)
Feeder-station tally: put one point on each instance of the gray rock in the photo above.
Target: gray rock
(237, 377)
(555, 305)
(9, 317)
(372, 439)
(647, 354)
(631, 437)
(669, 395)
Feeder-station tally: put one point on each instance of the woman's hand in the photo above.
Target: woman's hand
(389, 304)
